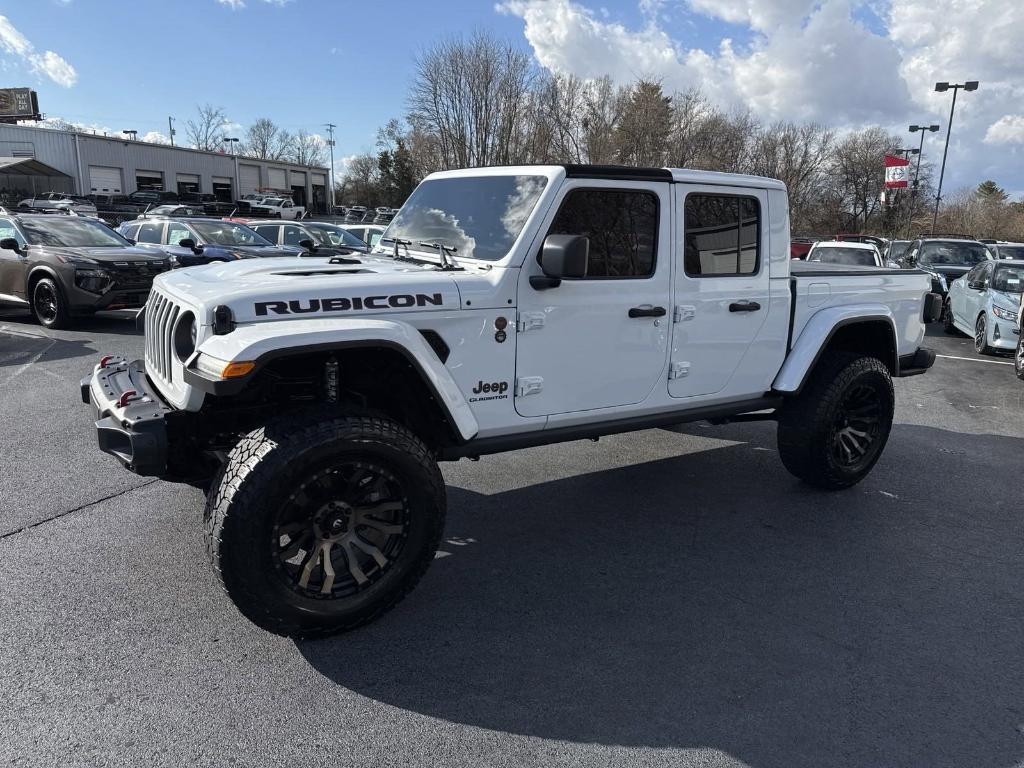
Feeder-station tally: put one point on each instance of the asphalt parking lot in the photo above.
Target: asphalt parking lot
(671, 597)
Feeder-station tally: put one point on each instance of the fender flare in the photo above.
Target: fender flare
(44, 269)
(263, 342)
(818, 333)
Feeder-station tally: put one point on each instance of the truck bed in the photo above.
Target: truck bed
(827, 293)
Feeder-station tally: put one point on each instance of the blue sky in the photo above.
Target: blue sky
(846, 63)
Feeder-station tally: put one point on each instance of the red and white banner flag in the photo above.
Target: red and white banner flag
(896, 172)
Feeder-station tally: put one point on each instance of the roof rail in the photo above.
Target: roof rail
(949, 235)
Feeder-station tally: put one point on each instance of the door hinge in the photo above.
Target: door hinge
(529, 385)
(528, 321)
(683, 312)
(679, 370)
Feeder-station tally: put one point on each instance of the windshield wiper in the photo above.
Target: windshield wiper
(448, 262)
(398, 242)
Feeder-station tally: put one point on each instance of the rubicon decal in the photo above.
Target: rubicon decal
(347, 304)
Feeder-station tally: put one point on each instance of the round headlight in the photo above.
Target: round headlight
(186, 332)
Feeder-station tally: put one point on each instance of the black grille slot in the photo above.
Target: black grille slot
(437, 344)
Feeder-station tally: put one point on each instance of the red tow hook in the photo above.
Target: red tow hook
(106, 359)
(128, 394)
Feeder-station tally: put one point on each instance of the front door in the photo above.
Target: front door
(12, 265)
(722, 291)
(602, 340)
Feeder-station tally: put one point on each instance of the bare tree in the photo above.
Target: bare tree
(797, 155)
(472, 95)
(207, 130)
(361, 182)
(307, 149)
(601, 104)
(264, 140)
(857, 175)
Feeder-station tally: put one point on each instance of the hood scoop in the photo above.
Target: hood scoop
(343, 260)
(311, 272)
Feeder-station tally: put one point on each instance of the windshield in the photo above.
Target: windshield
(480, 216)
(897, 248)
(228, 233)
(328, 234)
(1011, 251)
(272, 201)
(71, 233)
(1009, 279)
(859, 256)
(953, 254)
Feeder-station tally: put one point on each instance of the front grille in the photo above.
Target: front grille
(161, 313)
(135, 274)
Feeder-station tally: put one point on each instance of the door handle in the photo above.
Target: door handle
(744, 306)
(647, 310)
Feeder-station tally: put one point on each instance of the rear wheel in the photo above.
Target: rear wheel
(48, 304)
(981, 336)
(833, 432)
(321, 525)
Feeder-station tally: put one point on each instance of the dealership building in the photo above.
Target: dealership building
(36, 160)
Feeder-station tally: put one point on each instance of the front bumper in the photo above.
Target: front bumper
(130, 427)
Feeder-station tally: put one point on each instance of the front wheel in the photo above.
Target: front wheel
(49, 305)
(833, 432)
(320, 525)
(981, 337)
(1018, 359)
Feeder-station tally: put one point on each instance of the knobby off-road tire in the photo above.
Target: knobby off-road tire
(49, 307)
(319, 524)
(833, 432)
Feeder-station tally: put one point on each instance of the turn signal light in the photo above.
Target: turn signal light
(234, 370)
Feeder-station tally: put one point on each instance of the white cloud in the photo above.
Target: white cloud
(235, 5)
(48, 63)
(1008, 129)
(813, 60)
(155, 137)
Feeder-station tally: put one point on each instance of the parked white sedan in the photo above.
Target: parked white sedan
(985, 304)
(843, 252)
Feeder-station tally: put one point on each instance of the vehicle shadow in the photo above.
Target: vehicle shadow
(37, 345)
(711, 601)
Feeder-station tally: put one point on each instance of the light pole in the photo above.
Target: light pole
(970, 85)
(131, 135)
(231, 142)
(917, 171)
(170, 129)
(330, 142)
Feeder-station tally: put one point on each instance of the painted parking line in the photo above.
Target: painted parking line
(976, 360)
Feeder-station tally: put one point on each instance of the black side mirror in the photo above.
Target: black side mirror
(188, 242)
(308, 244)
(10, 244)
(562, 256)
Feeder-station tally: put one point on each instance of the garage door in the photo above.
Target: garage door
(298, 179)
(277, 178)
(248, 178)
(188, 182)
(104, 180)
(319, 180)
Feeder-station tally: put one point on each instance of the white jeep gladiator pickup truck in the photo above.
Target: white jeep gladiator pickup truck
(504, 308)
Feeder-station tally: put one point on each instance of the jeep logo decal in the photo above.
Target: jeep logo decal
(342, 304)
(494, 390)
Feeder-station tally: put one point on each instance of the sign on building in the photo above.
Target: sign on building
(18, 104)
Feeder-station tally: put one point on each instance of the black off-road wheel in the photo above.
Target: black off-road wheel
(49, 307)
(1018, 358)
(833, 432)
(320, 524)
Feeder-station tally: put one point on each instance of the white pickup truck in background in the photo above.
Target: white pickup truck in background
(504, 308)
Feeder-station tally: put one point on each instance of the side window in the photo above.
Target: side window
(986, 274)
(268, 231)
(375, 238)
(621, 224)
(130, 231)
(722, 236)
(293, 234)
(150, 232)
(7, 229)
(177, 232)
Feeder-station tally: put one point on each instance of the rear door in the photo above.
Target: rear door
(722, 291)
(602, 340)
